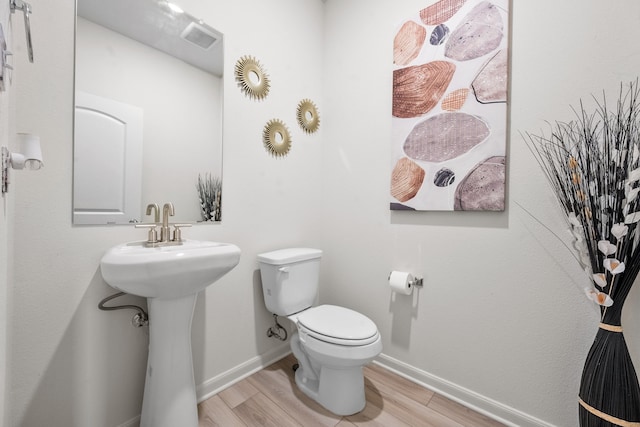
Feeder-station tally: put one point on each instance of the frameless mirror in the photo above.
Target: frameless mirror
(148, 112)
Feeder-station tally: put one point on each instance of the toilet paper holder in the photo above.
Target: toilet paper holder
(417, 281)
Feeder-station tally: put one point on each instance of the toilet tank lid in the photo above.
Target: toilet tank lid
(290, 255)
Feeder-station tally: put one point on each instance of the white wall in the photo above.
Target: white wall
(73, 365)
(500, 320)
(499, 317)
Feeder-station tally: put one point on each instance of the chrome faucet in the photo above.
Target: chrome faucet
(153, 207)
(165, 238)
(165, 232)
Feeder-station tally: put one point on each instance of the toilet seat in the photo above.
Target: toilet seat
(337, 325)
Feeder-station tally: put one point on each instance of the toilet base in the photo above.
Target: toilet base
(332, 375)
(340, 391)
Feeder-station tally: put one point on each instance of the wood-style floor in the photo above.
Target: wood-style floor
(270, 398)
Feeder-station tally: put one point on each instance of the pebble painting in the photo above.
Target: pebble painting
(450, 92)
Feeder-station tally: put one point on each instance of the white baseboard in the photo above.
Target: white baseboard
(133, 422)
(484, 405)
(479, 403)
(240, 372)
(230, 377)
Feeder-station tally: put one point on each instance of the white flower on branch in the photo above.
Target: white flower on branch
(606, 247)
(619, 230)
(599, 298)
(600, 279)
(613, 266)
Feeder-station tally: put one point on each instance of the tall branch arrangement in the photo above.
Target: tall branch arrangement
(593, 165)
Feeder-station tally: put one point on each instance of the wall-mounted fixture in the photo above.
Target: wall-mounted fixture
(307, 115)
(30, 157)
(26, 9)
(276, 137)
(251, 78)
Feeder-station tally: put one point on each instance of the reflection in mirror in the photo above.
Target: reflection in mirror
(148, 116)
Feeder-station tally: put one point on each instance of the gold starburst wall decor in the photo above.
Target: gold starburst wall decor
(276, 138)
(251, 78)
(308, 117)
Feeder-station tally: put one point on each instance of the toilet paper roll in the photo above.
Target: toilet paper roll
(401, 282)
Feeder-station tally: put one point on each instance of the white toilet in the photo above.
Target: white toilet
(332, 343)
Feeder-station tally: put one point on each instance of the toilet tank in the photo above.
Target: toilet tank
(289, 279)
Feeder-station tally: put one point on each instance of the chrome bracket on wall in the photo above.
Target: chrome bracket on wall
(26, 9)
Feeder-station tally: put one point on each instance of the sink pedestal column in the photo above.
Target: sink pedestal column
(169, 389)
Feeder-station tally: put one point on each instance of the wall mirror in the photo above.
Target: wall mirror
(148, 111)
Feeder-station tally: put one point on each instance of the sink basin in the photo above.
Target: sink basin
(170, 277)
(167, 271)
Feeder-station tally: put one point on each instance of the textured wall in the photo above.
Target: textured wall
(73, 365)
(499, 314)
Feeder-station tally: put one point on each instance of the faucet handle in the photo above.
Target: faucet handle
(177, 232)
(153, 234)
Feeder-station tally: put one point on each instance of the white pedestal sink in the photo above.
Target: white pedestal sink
(170, 277)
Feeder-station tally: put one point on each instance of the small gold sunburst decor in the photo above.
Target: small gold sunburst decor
(276, 138)
(251, 78)
(308, 117)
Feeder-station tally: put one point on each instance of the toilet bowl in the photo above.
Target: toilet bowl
(331, 362)
(332, 343)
